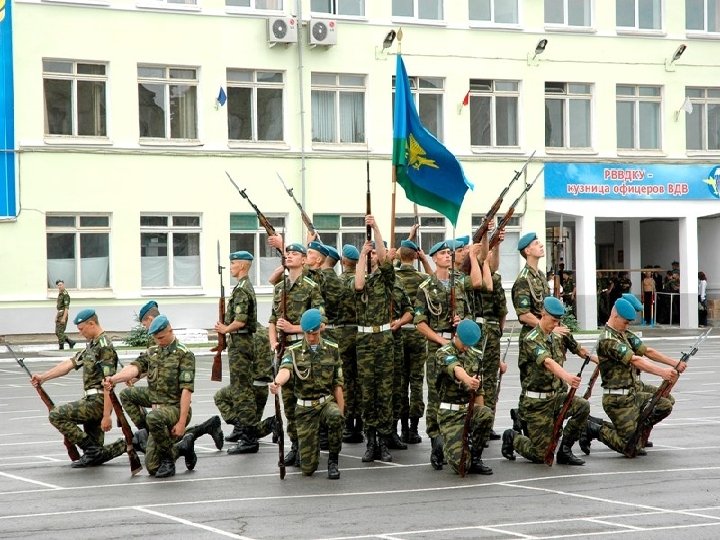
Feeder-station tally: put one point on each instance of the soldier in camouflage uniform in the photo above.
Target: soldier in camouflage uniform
(61, 316)
(236, 402)
(619, 363)
(262, 376)
(170, 369)
(346, 333)
(97, 360)
(459, 370)
(293, 295)
(375, 360)
(315, 365)
(543, 380)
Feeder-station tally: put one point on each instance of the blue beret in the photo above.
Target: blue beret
(241, 256)
(464, 240)
(526, 240)
(410, 245)
(554, 306)
(454, 245)
(437, 247)
(625, 309)
(350, 252)
(320, 248)
(147, 307)
(296, 247)
(634, 302)
(311, 320)
(84, 315)
(159, 323)
(333, 253)
(469, 332)
(373, 244)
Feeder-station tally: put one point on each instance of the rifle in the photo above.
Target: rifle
(216, 373)
(591, 382)
(306, 219)
(642, 431)
(469, 415)
(495, 238)
(135, 465)
(557, 428)
(368, 211)
(279, 353)
(500, 375)
(71, 448)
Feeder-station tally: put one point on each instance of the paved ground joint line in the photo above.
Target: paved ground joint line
(28, 480)
(191, 523)
(613, 524)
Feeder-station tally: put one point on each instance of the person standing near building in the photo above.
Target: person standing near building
(702, 299)
(648, 297)
(62, 309)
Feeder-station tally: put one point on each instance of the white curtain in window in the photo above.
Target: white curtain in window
(352, 117)
(323, 116)
(267, 266)
(186, 271)
(154, 271)
(61, 269)
(94, 272)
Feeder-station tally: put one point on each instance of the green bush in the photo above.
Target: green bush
(570, 321)
(138, 336)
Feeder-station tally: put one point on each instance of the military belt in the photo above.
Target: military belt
(154, 406)
(93, 391)
(617, 391)
(480, 320)
(313, 402)
(239, 332)
(446, 335)
(492, 323)
(537, 395)
(292, 338)
(409, 326)
(373, 329)
(453, 406)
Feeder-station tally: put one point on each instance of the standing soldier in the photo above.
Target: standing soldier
(170, 369)
(346, 332)
(293, 295)
(459, 367)
(61, 316)
(373, 294)
(315, 365)
(97, 360)
(236, 402)
(543, 380)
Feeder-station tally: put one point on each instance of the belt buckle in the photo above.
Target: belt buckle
(375, 329)
(314, 402)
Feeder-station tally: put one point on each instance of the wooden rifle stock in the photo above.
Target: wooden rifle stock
(279, 353)
(368, 211)
(305, 218)
(469, 415)
(591, 382)
(216, 372)
(495, 238)
(135, 465)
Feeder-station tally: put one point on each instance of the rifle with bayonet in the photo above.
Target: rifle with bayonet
(264, 222)
(495, 238)
(135, 465)
(643, 428)
(368, 211)
(305, 218)
(71, 448)
(216, 373)
(475, 396)
(500, 373)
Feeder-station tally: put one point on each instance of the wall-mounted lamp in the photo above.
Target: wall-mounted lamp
(381, 52)
(389, 39)
(539, 49)
(670, 62)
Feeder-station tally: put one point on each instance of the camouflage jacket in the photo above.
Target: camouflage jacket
(302, 295)
(347, 306)
(334, 293)
(315, 373)
(538, 346)
(242, 306)
(263, 356)
(409, 279)
(98, 360)
(401, 302)
(615, 351)
(529, 291)
(447, 357)
(169, 370)
(372, 304)
(63, 301)
(490, 305)
(432, 304)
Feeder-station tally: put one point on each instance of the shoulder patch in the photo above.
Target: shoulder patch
(450, 359)
(425, 283)
(186, 376)
(331, 343)
(309, 281)
(286, 361)
(182, 347)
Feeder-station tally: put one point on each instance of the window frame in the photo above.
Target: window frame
(338, 89)
(258, 278)
(566, 16)
(415, 17)
(416, 90)
(566, 97)
(476, 94)
(253, 8)
(637, 99)
(636, 17)
(170, 229)
(508, 247)
(491, 21)
(334, 11)
(254, 86)
(700, 106)
(704, 31)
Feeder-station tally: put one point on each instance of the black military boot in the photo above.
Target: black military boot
(61, 346)
(236, 432)
(369, 454)
(414, 436)
(92, 455)
(393, 440)
(437, 455)
(323, 438)
(333, 470)
(383, 448)
(404, 429)
(166, 469)
(139, 440)
(359, 433)
(565, 455)
(70, 342)
(507, 449)
(494, 436)
(292, 458)
(518, 425)
(592, 431)
(248, 442)
(212, 427)
(186, 448)
(477, 466)
(268, 426)
(348, 430)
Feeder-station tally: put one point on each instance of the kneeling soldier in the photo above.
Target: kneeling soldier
(461, 364)
(317, 367)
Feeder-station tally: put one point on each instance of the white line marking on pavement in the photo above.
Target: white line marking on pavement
(613, 524)
(26, 417)
(28, 442)
(191, 523)
(6, 475)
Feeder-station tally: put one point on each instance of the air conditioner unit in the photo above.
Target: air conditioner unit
(282, 30)
(322, 32)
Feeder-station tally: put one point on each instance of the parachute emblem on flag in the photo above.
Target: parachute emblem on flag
(417, 155)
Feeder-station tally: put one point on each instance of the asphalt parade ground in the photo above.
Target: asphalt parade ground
(673, 492)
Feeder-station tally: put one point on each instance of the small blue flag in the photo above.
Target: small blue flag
(222, 97)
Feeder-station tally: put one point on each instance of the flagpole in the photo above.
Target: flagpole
(391, 243)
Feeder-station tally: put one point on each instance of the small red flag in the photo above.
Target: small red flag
(466, 99)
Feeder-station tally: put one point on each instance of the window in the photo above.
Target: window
(78, 248)
(170, 250)
(639, 14)
(510, 259)
(255, 105)
(702, 126)
(418, 9)
(702, 15)
(247, 234)
(167, 98)
(75, 98)
(338, 108)
(568, 12)
(339, 7)
(493, 112)
(493, 11)
(638, 117)
(567, 115)
(274, 5)
(428, 95)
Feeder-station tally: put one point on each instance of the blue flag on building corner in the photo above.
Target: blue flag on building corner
(430, 175)
(221, 97)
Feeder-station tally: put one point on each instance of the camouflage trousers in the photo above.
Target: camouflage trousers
(624, 412)
(309, 420)
(60, 328)
(375, 361)
(260, 389)
(540, 415)
(414, 355)
(158, 422)
(491, 364)
(87, 411)
(431, 374)
(399, 383)
(452, 425)
(236, 402)
(346, 340)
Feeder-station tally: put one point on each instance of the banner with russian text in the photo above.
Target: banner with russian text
(8, 182)
(618, 181)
